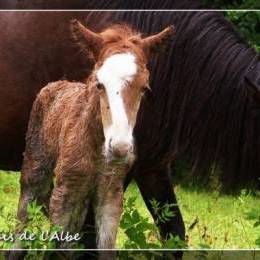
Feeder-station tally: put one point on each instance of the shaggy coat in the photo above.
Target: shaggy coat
(65, 136)
(67, 132)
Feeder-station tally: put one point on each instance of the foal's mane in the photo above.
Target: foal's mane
(119, 31)
(113, 33)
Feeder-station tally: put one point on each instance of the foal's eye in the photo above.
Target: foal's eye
(100, 86)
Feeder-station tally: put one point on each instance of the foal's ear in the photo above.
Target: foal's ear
(157, 42)
(88, 40)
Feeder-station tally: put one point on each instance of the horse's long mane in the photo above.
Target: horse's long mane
(200, 105)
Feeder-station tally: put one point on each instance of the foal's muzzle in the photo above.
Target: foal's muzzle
(121, 152)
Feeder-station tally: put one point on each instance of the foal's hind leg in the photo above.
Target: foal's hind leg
(36, 184)
(69, 203)
(88, 229)
(36, 180)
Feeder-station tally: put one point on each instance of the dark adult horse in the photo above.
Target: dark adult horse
(199, 103)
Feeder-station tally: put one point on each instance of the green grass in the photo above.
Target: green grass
(9, 194)
(211, 220)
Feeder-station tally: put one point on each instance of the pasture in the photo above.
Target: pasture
(212, 220)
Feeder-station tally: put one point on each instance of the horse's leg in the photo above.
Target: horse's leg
(155, 183)
(108, 210)
(36, 183)
(88, 230)
(88, 238)
(69, 203)
(89, 224)
(36, 175)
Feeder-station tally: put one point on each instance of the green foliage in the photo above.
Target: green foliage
(212, 220)
(39, 227)
(228, 215)
(163, 212)
(36, 234)
(36, 225)
(248, 24)
(136, 227)
(254, 215)
(141, 233)
(9, 192)
(234, 4)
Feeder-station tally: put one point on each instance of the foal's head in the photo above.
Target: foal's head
(122, 77)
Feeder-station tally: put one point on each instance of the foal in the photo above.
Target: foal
(83, 133)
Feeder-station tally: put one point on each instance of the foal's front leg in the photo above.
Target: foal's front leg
(108, 210)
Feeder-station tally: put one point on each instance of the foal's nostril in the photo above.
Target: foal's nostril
(121, 150)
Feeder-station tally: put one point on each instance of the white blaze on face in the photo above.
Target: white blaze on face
(115, 73)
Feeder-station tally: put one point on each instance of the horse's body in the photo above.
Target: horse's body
(37, 51)
(203, 108)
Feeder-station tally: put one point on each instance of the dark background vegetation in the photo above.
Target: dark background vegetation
(247, 22)
(234, 4)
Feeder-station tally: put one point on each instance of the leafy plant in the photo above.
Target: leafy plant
(136, 227)
(254, 215)
(248, 24)
(38, 233)
(36, 225)
(141, 234)
(234, 4)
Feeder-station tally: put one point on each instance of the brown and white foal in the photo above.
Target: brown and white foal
(83, 133)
